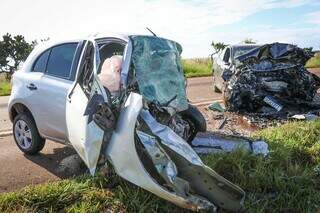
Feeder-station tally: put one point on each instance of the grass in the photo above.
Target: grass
(5, 87)
(83, 194)
(314, 62)
(288, 180)
(200, 67)
(197, 67)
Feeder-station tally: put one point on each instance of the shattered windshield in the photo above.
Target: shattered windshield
(158, 71)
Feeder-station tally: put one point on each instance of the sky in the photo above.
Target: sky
(192, 23)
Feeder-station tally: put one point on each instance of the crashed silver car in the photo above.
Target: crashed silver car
(137, 118)
(267, 79)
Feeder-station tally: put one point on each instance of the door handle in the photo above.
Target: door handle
(32, 86)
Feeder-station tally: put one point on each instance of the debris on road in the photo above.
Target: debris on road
(219, 143)
(308, 117)
(272, 75)
(216, 106)
(223, 122)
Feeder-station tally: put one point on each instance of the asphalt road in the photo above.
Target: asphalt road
(18, 170)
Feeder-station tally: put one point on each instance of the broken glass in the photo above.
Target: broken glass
(158, 71)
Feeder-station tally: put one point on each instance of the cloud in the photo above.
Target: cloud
(314, 17)
(304, 37)
(190, 22)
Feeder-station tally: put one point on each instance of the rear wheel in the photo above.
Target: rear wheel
(26, 134)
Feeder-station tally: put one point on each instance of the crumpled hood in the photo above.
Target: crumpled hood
(277, 52)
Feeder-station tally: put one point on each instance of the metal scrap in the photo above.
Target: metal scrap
(216, 106)
(219, 143)
(273, 74)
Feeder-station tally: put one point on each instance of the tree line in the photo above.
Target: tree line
(13, 51)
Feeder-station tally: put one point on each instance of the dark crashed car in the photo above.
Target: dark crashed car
(225, 60)
(267, 79)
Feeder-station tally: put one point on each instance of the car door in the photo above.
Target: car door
(55, 70)
(83, 133)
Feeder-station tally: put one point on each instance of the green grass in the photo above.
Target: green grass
(314, 62)
(84, 194)
(197, 67)
(5, 88)
(288, 180)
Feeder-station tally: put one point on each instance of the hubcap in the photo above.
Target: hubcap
(23, 134)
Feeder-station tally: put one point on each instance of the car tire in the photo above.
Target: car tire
(196, 121)
(26, 134)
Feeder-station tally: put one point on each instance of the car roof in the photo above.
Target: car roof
(245, 45)
(53, 42)
(42, 46)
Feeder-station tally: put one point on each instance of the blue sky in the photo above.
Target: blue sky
(261, 26)
(193, 23)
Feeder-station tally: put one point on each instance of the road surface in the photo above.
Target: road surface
(18, 170)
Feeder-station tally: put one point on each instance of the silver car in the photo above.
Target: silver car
(142, 130)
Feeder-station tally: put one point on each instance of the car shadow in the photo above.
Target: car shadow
(63, 162)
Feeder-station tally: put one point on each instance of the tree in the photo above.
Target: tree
(218, 46)
(249, 41)
(13, 51)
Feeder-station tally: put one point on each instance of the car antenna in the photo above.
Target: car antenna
(151, 32)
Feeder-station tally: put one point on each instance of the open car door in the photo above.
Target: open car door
(83, 133)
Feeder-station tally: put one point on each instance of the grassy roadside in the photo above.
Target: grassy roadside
(197, 67)
(314, 62)
(5, 88)
(288, 180)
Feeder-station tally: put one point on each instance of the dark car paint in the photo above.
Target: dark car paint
(223, 60)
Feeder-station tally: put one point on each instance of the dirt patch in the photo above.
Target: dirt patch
(237, 124)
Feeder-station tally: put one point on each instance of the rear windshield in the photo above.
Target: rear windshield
(158, 71)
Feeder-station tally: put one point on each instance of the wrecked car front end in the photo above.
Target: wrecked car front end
(141, 146)
(271, 78)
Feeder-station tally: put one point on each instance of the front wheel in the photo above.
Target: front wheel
(196, 121)
(26, 134)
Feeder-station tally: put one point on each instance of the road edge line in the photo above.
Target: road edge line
(5, 132)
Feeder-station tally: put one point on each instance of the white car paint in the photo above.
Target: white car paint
(71, 125)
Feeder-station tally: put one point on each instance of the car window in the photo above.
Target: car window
(226, 56)
(41, 62)
(60, 60)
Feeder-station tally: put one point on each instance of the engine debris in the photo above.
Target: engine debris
(272, 75)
